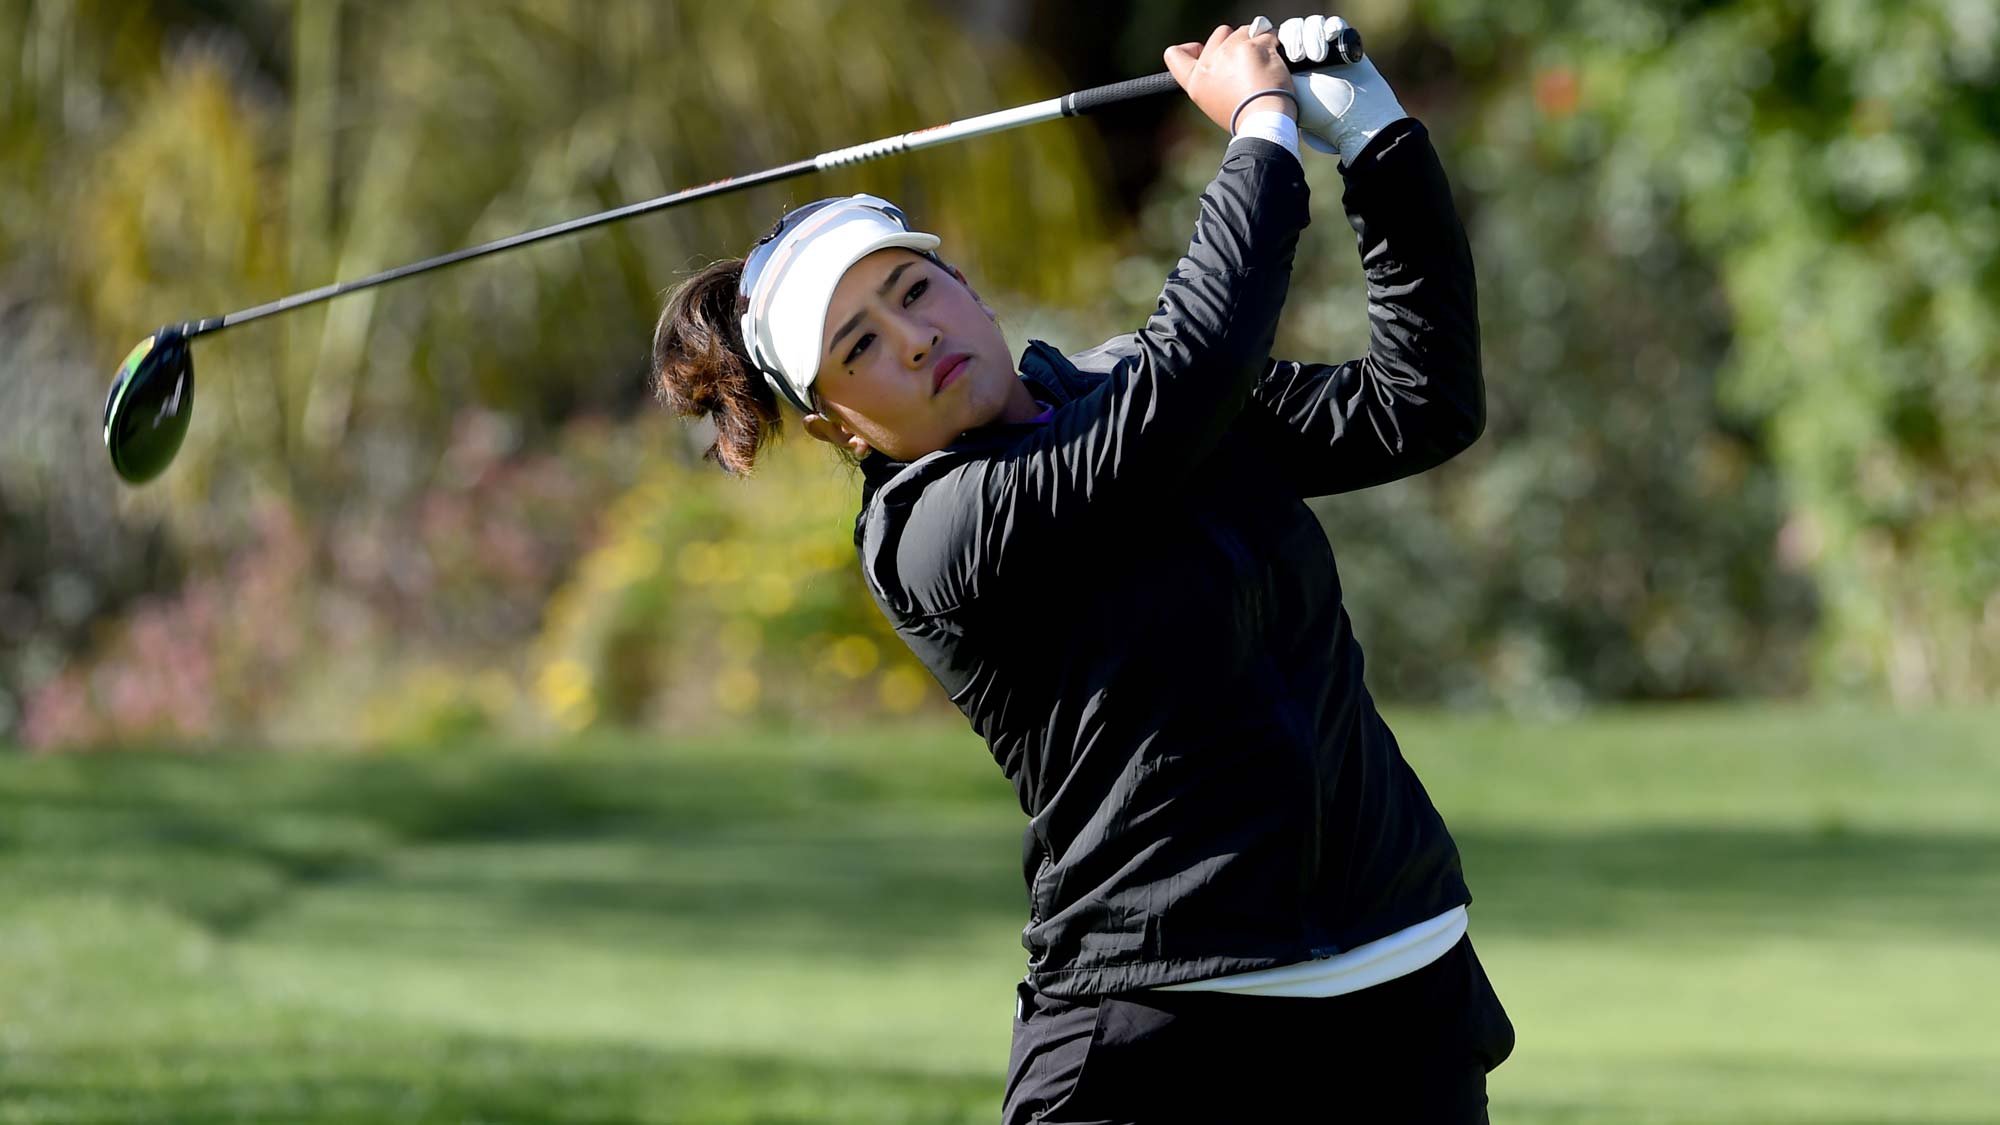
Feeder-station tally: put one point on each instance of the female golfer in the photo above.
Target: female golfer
(1241, 903)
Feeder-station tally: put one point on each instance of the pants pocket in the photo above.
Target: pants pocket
(1052, 1043)
(1144, 1061)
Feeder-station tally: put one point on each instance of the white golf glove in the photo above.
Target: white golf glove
(1342, 107)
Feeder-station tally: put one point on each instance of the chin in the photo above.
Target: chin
(988, 399)
(984, 414)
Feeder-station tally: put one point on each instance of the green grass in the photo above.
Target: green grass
(1762, 915)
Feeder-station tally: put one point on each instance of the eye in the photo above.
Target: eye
(861, 345)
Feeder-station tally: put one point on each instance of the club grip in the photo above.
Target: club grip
(1343, 49)
(1097, 97)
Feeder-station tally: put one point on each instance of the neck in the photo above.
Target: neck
(1021, 406)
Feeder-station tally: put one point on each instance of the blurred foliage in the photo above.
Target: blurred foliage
(1611, 535)
(1737, 264)
(376, 623)
(434, 128)
(182, 159)
(1833, 162)
(709, 596)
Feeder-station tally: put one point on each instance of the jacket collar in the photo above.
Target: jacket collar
(1050, 376)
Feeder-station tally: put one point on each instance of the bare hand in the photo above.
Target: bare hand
(1231, 66)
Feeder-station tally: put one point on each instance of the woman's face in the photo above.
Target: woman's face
(910, 359)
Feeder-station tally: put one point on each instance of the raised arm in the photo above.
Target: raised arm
(1141, 432)
(1418, 397)
(1207, 339)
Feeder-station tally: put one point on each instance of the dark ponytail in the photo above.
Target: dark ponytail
(701, 368)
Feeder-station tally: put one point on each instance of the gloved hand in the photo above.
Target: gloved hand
(1342, 107)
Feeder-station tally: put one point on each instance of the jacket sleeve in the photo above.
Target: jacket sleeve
(1139, 433)
(1417, 398)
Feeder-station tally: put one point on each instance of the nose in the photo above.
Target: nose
(917, 340)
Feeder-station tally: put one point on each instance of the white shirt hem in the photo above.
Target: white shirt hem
(1364, 966)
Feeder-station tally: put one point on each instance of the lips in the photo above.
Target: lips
(947, 369)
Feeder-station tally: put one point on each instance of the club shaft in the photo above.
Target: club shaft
(327, 292)
(1069, 105)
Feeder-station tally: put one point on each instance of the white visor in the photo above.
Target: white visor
(788, 282)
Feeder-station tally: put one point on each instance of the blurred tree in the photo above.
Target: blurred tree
(187, 159)
(441, 128)
(1738, 263)
(68, 561)
(1835, 161)
(1612, 536)
(709, 598)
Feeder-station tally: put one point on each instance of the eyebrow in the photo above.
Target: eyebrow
(856, 318)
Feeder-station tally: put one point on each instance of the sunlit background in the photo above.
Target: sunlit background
(461, 746)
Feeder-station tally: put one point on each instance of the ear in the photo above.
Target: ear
(827, 430)
(990, 315)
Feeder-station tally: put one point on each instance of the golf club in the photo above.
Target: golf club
(151, 399)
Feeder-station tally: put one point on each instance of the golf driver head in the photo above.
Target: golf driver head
(147, 410)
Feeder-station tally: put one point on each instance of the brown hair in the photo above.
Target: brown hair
(702, 369)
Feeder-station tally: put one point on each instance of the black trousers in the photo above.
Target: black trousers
(1415, 1049)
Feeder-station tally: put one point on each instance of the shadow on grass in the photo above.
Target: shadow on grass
(1731, 882)
(372, 1079)
(1674, 1088)
(469, 797)
(859, 889)
(869, 889)
(229, 840)
(795, 855)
